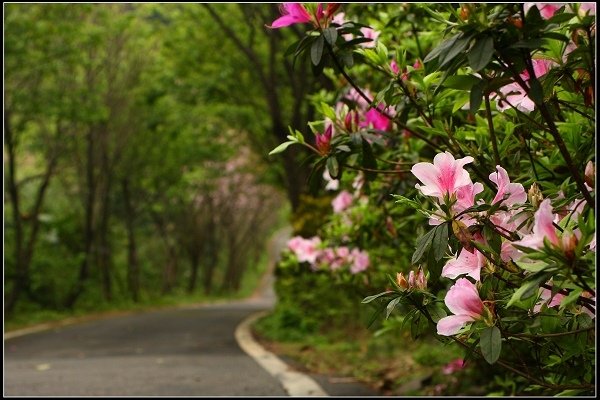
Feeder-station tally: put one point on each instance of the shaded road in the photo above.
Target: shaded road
(178, 352)
(182, 352)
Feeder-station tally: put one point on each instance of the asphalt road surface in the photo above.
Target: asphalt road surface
(190, 351)
(181, 352)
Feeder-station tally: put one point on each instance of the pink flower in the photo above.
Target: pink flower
(360, 261)
(547, 10)
(547, 298)
(369, 33)
(342, 201)
(306, 250)
(466, 263)
(463, 301)
(514, 192)
(394, 67)
(453, 366)
(542, 228)
(465, 198)
(375, 119)
(332, 184)
(444, 177)
(515, 95)
(291, 13)
(323, 140)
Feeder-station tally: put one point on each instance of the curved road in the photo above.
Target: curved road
(187, 351)
(190, 351)
(181, 352)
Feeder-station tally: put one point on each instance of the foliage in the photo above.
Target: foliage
(127, 166)
(501, 98)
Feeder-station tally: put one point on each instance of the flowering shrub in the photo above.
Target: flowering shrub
(471, 129)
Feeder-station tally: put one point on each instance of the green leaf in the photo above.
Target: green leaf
(330, 34)
(390, 307)
(461, 82)
(527, 290)
(281, 147)
(423, 245)
(333, 167)
(440, 241)
(481, 53)
(491, 344)
(475, 98)
(458, 47)
(369, 299)
(433, 54)
(571, 298)
(316, 50)
(536, 93)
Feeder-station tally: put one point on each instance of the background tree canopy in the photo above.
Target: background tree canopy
(136, 137)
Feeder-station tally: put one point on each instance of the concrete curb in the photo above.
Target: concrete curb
(294, 383)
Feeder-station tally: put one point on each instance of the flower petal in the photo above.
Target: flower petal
(452, 324)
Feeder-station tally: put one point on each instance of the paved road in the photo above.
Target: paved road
(188, 351)
(183, 352)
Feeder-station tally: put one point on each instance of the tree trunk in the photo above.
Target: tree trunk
(133, 272)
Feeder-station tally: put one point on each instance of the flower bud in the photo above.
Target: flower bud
(590, 174)
(535, 195)
(401, 281)
(411, 280)
(421, 280)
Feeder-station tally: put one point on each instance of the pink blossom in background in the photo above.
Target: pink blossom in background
(463, 301)
(291, 13)
(342, 201)
(369, 33)
(394, 67)
(360, 261)
(587, 8)
(547, 10)
(306, 250)
(453, 366)
(376, 120)
(542, 228)
(547, 298)
(332, 184)
(444, 177)
(514, 191)
(515, 95)
(466, 263)
(360, 101)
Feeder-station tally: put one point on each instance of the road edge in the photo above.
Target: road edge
(293, 382)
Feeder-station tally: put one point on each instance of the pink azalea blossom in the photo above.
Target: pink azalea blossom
(291, 13)
(444, 177)
(369, 33)
(514, 192)
(453, 366)
(394, 67)
(515, 95)
(376, 120)
(463, 301)
(306, 250)
(332, 184)
(466, 263)
(547, 298)
(342, 201)
(587, 8)
(360, 261)
(542, 228)
(547, 10)
(465, 198)
(508, 252)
